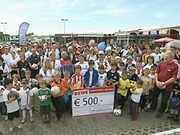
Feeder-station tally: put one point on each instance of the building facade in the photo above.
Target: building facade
(141, 36)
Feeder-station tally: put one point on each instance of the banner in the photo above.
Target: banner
(92, 101)
(23, 28)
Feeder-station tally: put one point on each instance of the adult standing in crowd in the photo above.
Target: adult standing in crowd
(8, 58)
(34, 63)
(91, 76)
(166, 75)
(22, 66)
(84, 64)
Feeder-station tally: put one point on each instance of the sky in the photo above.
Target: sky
(87, 16)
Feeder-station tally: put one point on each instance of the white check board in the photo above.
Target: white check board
(92, 101)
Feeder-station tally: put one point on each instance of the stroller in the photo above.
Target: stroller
(174, 110)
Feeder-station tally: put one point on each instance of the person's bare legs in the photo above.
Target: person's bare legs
(23, 116)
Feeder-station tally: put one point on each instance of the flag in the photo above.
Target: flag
(23, 28)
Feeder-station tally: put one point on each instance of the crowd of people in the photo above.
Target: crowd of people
(50, 72)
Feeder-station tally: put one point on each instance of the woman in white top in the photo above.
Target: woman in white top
(8, 59)
(54, 59)
(4, 69)
(47, 70)
(92, 54)
(150, 62)
(84, 64)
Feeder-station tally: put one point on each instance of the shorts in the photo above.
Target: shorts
(3, 109)
(26, 107)
(13, 115)
(45, 109)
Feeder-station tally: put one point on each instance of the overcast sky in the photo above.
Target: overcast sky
(85, 16)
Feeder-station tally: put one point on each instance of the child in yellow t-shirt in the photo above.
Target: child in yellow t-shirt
(124, 85)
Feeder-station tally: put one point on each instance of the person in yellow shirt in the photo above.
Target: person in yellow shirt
(124, 86)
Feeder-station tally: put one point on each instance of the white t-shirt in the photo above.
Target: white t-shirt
(48, 74)
(149, 66)
(5, 69)
(5, 94)
(25, 96)
(102, 79)
(28, 54)
(1, 94)
(8, 59)
(124, 52)
(1, 97)
(12, 107)
(17, 58)
(94, 57)
(90, 77)
(84, 67)
(57, 54)
(57, 65)
(157, 57)
(136, 97)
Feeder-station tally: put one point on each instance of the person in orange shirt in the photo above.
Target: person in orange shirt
(65, 82)
(65, 87)
(58, 99)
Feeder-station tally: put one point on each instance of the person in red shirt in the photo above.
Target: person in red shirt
(77, 79)
(166, 75)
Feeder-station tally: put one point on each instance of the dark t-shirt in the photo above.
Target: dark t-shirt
(34, 59)
(22, 67)
(133, 77)
(114, 76)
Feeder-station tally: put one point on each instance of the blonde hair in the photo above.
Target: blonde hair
(91, 42)
(169, 54)
(47, 64)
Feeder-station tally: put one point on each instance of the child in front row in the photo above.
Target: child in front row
(26, 101)
(11, 99)
(3, 110)
(77, 79)
(147, 86)
(135, 99)
(44, 95)
(65, 87)
(102, 76)
(124, 85)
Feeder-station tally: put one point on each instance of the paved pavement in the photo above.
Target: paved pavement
(101, 124)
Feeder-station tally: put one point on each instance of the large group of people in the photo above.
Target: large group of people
(45, 74)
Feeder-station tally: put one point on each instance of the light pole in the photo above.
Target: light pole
(64, 22)
(4, 29)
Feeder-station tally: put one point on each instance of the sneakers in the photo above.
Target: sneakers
(23, 121)
(6, 118)
(19, 126)
(11, 129)
(31, 120)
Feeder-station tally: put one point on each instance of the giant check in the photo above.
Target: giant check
(92, 101)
